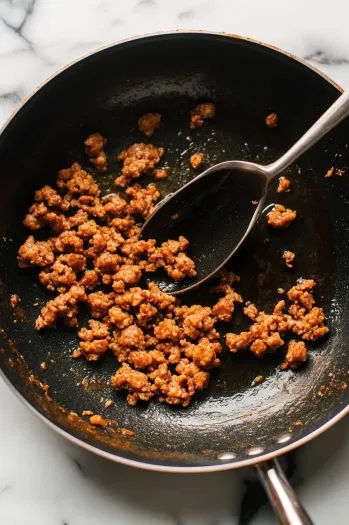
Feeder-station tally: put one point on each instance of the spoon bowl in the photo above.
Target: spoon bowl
(215, 212)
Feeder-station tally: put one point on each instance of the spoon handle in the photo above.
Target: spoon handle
(333, 116)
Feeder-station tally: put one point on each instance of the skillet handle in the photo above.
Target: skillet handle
(285, 503)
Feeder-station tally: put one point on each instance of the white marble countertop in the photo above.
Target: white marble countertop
(43, 479)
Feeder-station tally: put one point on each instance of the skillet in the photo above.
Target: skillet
(231, 424)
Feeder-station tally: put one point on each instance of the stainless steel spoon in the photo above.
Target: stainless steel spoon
(215, 211)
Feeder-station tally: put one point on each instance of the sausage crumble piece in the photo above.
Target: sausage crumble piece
(329, 173)
(272, 120)
(14, 300)
(63, 306)
(87, 413)
(296, 356)
(281, 217)
(148, 123)
(142, 200)
(94, 149)
(94, 342)
(35, 253)
(196, 160)
(200, 113)
(309, 319)
(160, 174)
(267, 330)
(289, 257)
(137, 160)
(257, 380)
(284, 184)
(98, 421)
(224, 308)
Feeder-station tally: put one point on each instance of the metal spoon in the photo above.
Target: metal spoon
(214, 210)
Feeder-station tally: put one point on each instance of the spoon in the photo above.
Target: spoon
(214, 210)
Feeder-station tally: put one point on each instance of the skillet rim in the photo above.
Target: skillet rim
(114, 457)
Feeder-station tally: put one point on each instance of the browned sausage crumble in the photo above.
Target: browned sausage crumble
(160, 174)
(200, 113)
(94, 149)
(14, 300)
(148, 123)
(339, 172)
(196, 160)
(267, 330)
(331, 171)
(289, 257)
(284, 184)
(272, 120)
(165, 349)
(137, 160)
(98, 421)
(281, 217)
(296, 356)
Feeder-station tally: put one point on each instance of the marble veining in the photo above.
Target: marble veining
(45, 480)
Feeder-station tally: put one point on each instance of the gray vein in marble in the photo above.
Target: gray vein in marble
(77, 464)
(5, 488)
(14, 96)
(143, 3)
(18, 29)
(115, 22)
(186, 15)
(321, 57)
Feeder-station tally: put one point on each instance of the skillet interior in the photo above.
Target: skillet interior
(170, 73)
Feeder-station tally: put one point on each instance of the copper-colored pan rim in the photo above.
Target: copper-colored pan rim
(139, 464)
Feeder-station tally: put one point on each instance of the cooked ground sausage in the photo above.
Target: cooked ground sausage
(296, 356)
(281, 217)
(289, 257)
(272, 120)
(200, 113)
(160, 174)
(329, 173)
(284, 184)
(14, 300)
(94, 341)
(142, 200)
(98, 421)
(223, 310)
(196, 160)
(303, 319)
(94, 149)
(148, 123)
(63, 306)
(35, 253)
(137, 160)
(165, 349)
